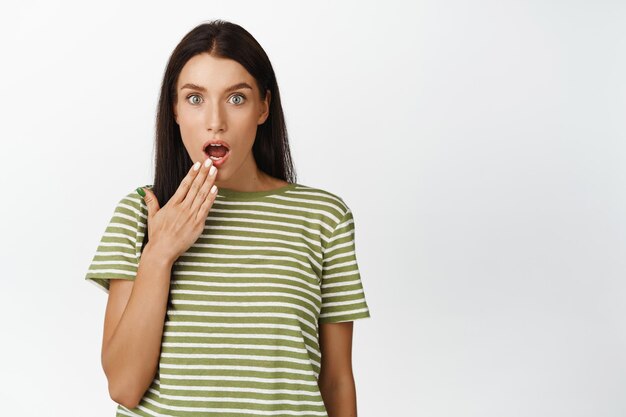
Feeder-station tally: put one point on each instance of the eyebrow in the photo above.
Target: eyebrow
(237, 86)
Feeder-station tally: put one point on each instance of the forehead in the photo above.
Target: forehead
(213, 73)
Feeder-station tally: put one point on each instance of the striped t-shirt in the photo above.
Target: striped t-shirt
(241, 338)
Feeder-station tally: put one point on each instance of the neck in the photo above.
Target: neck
(248, 178)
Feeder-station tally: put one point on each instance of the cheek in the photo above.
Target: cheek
(190, 125)
(245, 123)
(188, 119)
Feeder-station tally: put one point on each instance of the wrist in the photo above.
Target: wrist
(157, 255)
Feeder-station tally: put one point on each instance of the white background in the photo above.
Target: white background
(480, 145)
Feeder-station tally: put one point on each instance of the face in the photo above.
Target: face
(217, 99)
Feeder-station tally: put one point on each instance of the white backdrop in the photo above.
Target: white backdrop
(480, 145)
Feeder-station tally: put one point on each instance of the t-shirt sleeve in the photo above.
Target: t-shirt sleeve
(117, 255)
(343, 298)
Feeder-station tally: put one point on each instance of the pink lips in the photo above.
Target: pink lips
(218, 141)
(219, 162)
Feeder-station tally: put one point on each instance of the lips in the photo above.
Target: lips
(218, 154)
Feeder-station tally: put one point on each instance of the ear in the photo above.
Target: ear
(266, 108)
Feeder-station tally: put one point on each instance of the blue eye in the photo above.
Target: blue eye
(241, 96)
(194, 95)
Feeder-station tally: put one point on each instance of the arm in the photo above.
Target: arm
(133, 328)
(135, 313)
(336, 381)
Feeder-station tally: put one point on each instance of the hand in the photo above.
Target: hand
(175, 227)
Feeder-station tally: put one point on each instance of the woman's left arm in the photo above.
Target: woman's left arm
(336, 381)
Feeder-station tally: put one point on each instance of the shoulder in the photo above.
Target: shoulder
(324, 200)
(131, 199)
(132, 206)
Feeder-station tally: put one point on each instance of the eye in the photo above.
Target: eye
(194, 101)
(241, 98)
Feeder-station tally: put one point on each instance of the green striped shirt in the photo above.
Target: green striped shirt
(241, 338)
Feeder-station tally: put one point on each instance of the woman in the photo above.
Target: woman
(232, 289)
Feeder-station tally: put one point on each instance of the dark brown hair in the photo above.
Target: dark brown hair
(271, 146)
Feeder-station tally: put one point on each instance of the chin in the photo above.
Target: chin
(222, 175)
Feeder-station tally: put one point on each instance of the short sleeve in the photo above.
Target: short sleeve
(343, 298)
(117, 254)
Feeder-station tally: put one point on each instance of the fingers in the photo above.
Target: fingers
(151, 202)
(203, 212)
(204, 191)
(196, 185)
(185, 184)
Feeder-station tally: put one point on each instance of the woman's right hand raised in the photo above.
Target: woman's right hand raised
(175, 227)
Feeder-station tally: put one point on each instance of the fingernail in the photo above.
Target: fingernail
(196, 166)
(141, 192)
(208, 162)
(212, 170)
(213, 189)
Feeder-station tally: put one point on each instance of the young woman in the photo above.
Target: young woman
(232, 289)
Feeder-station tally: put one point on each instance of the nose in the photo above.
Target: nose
(216, 120)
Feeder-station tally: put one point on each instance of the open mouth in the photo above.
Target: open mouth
(216, 151)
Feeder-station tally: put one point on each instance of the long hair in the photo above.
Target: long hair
(222, 39)
(271, 146)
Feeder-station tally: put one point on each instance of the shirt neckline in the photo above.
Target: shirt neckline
(249, 195)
